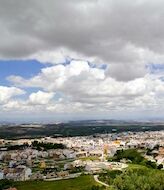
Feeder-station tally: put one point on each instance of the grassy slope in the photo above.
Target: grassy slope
(80, 183)
(136, 166)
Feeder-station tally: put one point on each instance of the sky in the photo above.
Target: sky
(90, 59)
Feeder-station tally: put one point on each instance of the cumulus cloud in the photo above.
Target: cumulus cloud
(8, 92)
(40, 97)
(87, 88)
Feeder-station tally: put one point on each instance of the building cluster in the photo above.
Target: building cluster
(83, 154)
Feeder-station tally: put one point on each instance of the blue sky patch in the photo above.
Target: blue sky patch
(155, 68)
(26, 69)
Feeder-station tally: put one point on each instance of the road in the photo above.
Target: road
(100, 182)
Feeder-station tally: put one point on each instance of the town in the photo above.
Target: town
(59, 158)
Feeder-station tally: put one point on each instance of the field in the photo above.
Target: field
(80, 183)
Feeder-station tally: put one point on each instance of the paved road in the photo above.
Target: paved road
(98, 181)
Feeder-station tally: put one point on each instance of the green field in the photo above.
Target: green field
(80, 183)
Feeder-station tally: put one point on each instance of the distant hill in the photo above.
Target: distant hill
(76, 128)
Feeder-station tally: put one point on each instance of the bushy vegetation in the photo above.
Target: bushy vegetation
(46, 146)
(109, 176)
(140, 179)
(141, 174)
(134, 156)
(5, 184)
(17, 147)
(77, 169)
(160, 166)
(130, 154)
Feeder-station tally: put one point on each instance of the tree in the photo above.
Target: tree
(160, 166)
(4, 184)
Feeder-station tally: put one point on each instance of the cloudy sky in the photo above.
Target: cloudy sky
(62, 60)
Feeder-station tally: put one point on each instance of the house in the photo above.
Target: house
(20, 173)
(62, 173)
(37, 176)
(161, 151)
(81, 154)
(51, 175)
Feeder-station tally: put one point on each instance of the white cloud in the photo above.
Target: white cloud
(83, 88)
(8, 92)
(40, 97)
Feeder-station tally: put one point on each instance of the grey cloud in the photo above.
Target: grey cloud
(113, 31)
